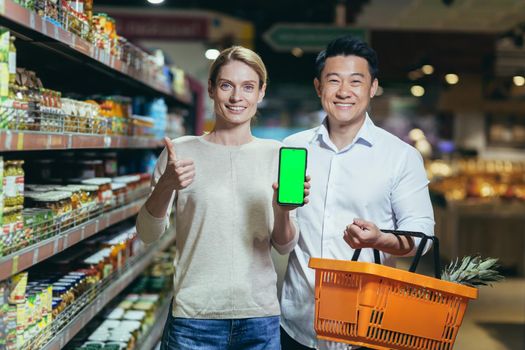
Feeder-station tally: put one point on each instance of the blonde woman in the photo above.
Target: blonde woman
(226, 219)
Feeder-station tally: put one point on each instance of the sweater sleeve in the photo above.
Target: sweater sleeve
(150, 228)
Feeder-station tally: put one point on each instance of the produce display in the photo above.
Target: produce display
(475, 178)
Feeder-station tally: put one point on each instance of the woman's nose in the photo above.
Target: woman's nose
(235, 96)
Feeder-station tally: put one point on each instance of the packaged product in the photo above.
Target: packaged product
(18, 285)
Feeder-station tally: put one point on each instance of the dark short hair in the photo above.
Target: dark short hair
(348, 46)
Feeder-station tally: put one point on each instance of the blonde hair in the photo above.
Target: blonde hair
(242, 54)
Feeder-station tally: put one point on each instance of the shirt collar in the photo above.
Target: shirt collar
(364, 136)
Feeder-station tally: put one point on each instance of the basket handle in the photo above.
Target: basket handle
(419, 252)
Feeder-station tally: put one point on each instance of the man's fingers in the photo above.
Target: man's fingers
(171, 150)
(275, 186)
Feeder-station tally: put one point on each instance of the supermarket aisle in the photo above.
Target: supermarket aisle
(496, 321)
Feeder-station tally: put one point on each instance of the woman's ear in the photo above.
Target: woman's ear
(210, 89)
(262, 93)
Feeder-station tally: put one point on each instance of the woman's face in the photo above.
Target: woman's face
(236, 93)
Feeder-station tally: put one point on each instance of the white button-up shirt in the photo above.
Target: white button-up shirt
(378, 178)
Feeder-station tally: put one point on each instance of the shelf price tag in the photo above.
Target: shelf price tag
(32, 20)
(44, 26)
(56, 33)
(14, 264)
(107, 141)
(20, 141)
(8, 138)
(66, 242)
(35, 256)
(55, 245)
(2, 6)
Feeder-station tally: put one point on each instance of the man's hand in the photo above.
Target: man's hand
(276, 205)
(362, 234)
(178, 174)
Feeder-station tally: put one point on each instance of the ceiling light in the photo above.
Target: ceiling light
(297, 51)
(417, 90)
(428, 69)
(452, 78)
(518, 80)
(212, 54)
(155, 2)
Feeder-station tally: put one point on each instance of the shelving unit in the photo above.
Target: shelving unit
(68, 63)
(110, 290)
(57, 42)
(151, 340)
(32, 255)
(39, 141)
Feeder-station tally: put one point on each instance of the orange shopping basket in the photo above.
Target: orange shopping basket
(381, 307)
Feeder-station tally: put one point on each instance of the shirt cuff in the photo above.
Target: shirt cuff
(150, 228)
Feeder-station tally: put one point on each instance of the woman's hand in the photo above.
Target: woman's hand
(276, 205)
(179, 173)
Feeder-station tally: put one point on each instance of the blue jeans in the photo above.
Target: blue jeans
(260, 333)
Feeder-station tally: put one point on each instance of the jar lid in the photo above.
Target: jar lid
(89, 188)
(126, 178)
(117, 186)
(97, 181)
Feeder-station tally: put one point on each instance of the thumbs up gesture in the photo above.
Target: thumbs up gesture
(179, 173)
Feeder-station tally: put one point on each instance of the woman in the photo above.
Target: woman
(226, 219)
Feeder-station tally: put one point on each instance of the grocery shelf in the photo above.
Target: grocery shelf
(37, 141)
(155, 333)
(32, 255)
(31, 27)
(123, 279)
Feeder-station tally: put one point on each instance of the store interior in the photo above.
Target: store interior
(89, 88)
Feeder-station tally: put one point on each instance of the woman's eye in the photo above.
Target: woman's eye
(225, 86)
(249, 88)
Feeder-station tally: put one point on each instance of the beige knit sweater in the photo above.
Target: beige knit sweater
(223, 224)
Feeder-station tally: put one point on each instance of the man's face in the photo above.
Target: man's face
(345, 89)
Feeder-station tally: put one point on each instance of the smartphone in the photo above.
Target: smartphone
(292, 174)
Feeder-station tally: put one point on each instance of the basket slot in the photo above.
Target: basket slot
(330, 327)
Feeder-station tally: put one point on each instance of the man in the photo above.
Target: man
(363, 179)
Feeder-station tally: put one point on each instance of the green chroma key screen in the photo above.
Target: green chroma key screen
(292, 172)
